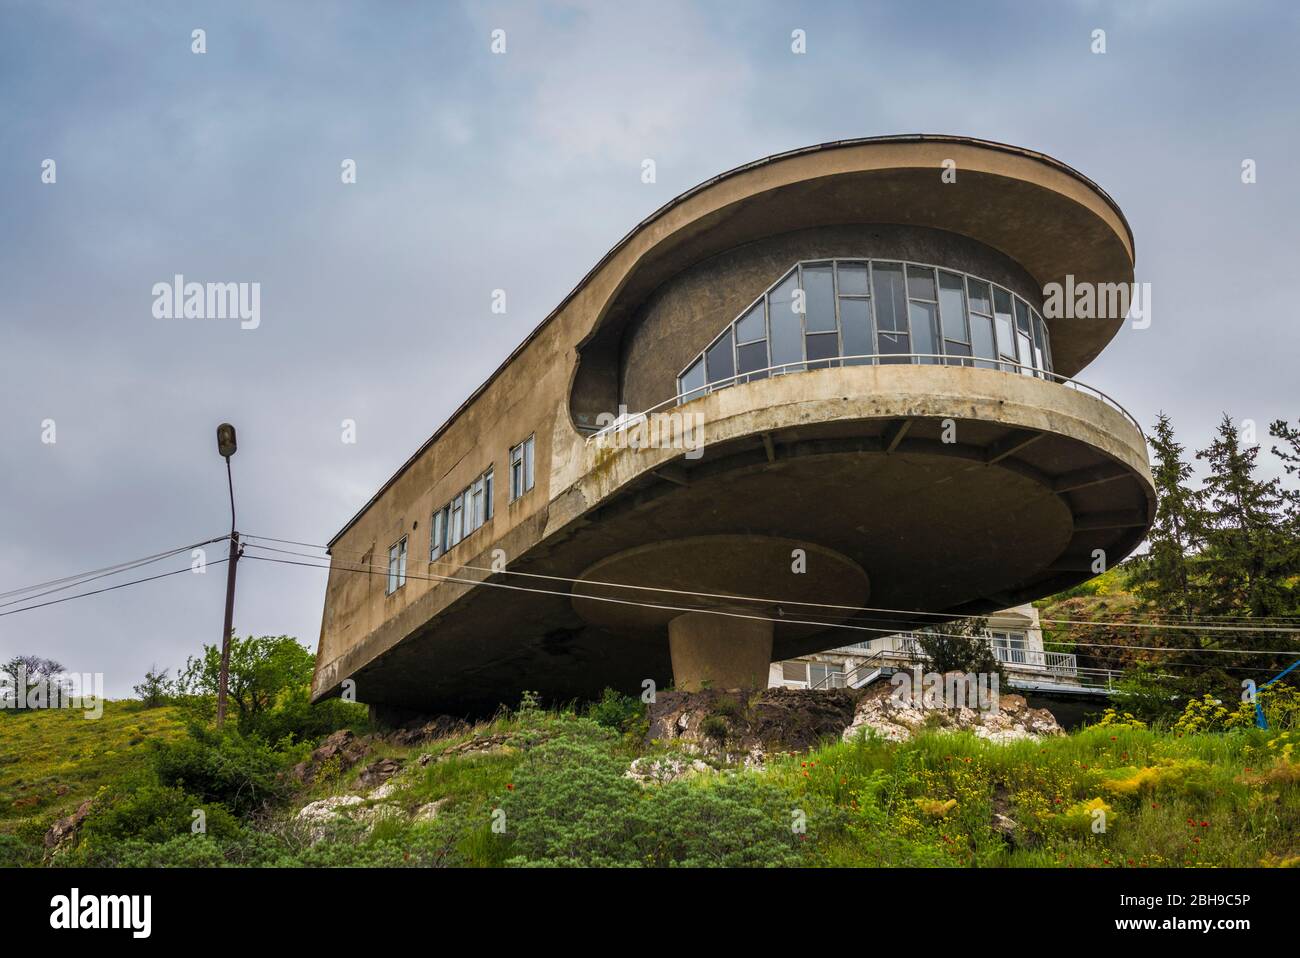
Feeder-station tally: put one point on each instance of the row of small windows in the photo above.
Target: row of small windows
(466, 513)
(888, 312)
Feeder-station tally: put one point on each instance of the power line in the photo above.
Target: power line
(68, 582)
(909, 614)
(1182, 621)
(372, 570)
(107, 588)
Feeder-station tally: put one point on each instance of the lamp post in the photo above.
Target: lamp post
(226, 446)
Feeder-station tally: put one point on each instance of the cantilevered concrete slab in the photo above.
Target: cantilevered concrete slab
(930, 488)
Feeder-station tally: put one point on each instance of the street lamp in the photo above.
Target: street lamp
(226, 446)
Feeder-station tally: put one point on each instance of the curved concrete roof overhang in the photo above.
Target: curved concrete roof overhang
(1047, 217)
(1035, 209)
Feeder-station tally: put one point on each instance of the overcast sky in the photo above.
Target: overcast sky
(519, 171)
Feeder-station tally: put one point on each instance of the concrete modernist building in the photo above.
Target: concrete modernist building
(818, 383)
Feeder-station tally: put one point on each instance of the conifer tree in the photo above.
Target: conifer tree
(1247, 549)
(1163, 576)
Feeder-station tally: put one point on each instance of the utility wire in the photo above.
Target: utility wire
(68, 582)
(1180, 620)
(107, 588)
(371, 570)
(910, 614)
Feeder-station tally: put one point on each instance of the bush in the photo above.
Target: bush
(295, 718)
(571, 805)
(152, 813)
(616, 711)
(736, 821)
(243, 773)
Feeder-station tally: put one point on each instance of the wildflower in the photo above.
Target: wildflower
(510, 786)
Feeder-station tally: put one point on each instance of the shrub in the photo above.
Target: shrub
(571, 805)
(153, 813)
(1081, 818)
(1112, 718)
(732, 821)
(296, 718)
(616, 711)
(243, 773)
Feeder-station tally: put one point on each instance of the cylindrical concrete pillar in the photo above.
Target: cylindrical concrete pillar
(724, 652)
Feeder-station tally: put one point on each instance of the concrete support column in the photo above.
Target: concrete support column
(725, 652)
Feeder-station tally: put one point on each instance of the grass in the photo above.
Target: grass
(52, 760)
(1166, 799)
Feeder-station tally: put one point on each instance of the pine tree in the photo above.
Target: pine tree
(1248, 553)
(1163, 575)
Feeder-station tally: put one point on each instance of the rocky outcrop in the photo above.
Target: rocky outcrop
(482, 745)
(64, 831)
(341, 751)
(897, 718)
(379, 771)
(426, 730)
(743, 725)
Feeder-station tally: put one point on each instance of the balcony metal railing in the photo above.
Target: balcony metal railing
(627, 421)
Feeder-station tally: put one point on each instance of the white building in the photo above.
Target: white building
(1015, 635)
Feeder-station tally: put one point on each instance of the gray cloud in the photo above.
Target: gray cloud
(478, 172)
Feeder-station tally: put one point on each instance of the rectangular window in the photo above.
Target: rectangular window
(924, 317)
(476, 508)
(952, 315)
(691, 386)
(397, 566)
(751, 343)
(819, 299)
(521, 468)
(1040, 342)
(720, 360)
(855, 316)
(456, 527)
(438, 534)
(890, 297)
(794, 672)
(825, 675)
(464, 515)
(981, 323)
(1005, 329)
(786, 324)
(1024, 338)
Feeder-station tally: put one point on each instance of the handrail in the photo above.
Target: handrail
(872, 662)
(784, 369)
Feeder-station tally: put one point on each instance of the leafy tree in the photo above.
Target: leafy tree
(959, 646)
(261, 670)
(29, 668)
(156, 688)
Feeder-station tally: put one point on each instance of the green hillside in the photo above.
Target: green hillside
(52, 760)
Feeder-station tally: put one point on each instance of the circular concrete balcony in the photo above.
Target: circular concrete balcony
(954, 489)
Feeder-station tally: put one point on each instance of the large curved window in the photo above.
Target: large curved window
(846, 312)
